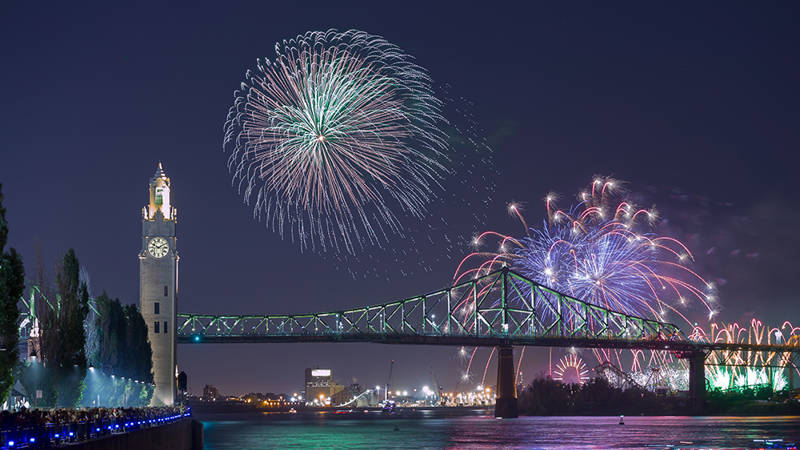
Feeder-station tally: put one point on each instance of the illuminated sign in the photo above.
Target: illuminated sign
(321, 373)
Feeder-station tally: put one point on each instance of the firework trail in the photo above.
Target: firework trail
(336, 137)
(736, 369)
(603, 250)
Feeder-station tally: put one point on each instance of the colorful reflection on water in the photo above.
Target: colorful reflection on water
(435, 429)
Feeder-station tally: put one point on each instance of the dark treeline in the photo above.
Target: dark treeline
(123, 351)
(547, 397)
(123, 348)
(12, 284)
(62, 336)
(81, 342)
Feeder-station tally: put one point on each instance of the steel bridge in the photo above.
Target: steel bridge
(499, 308)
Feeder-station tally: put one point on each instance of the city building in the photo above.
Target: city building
(210, 393)
(158, 284)
(318, 384)
(320, 388)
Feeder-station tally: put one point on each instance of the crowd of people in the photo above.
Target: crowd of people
(41, 428)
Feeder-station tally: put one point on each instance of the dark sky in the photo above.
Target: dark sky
(693, 104)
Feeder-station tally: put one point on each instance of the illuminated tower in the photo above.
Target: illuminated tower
(158, 284)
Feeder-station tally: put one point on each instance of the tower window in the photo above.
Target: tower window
(165, 291)
(156, 308)
(155, 326)
(165, 327)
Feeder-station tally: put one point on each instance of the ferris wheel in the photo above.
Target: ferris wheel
(571, 368)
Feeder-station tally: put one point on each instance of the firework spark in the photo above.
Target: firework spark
(602, 251)
(334, 137)
(740, 369)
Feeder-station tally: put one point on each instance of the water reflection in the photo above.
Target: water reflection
(431, 429)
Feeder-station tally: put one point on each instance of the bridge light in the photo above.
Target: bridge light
(197, 338)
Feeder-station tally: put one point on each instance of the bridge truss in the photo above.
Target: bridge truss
(502, 307)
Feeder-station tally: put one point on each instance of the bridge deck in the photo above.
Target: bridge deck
(486, 341)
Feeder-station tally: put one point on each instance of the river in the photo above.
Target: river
(478, 429)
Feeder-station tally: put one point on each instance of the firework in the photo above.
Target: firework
(571, 367)
(741, 369)
(602, 250)
(336, 137)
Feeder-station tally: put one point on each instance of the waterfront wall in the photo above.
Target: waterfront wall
(185, 434)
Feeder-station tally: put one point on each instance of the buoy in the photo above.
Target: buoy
(621, 419)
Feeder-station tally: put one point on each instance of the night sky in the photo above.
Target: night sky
(694, 105)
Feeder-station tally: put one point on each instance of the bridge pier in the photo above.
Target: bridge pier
(697, 382)
(506, 403)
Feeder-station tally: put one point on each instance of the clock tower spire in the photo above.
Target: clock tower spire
(158, 284)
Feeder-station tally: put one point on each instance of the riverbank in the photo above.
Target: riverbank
(184, 434)
(547, 397)
(101, 428)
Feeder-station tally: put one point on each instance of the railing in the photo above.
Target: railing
(48, 434)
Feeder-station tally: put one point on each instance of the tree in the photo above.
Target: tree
(12, 284)
(90, 329)
(50, 333)
(141, 367)
(124, 351)
(63, 338)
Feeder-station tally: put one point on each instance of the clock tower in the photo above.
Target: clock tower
(158, 284)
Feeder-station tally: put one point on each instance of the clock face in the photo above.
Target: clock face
(158, 247)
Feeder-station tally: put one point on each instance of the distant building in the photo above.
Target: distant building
(319, 383)
(210, 393)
